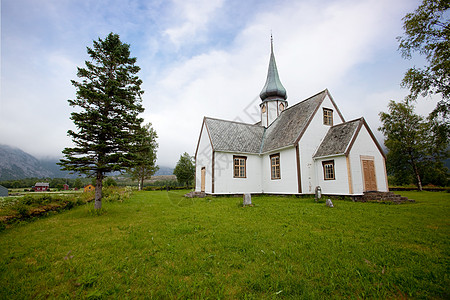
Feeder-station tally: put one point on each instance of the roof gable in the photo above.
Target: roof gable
(338, 138)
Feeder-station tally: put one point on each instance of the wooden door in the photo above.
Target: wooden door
(370, 179)
(203, 179)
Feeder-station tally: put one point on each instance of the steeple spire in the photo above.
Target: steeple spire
(273, 89)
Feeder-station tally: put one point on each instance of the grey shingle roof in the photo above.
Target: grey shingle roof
(338, 138)
(234, 136)
(285, 131)
(291, 123)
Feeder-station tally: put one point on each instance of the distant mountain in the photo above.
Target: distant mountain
(17, 164)
(164, 171)
(50, 165)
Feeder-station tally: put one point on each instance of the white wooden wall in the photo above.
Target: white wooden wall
(224, 181)
(364, 145)
(338, 186)
(204, 159)
(309, 144)
(287, 184)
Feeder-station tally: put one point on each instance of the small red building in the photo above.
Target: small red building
(66, 187)
(41, 187)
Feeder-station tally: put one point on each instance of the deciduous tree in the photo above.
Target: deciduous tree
(108, 102)
(416, 145)
(185, 169)
(427, 31)
(145, 155)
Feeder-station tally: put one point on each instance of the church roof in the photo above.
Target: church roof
(290, 125)
(234, 136)
(285, 131)
(338, 138)
(273, 88)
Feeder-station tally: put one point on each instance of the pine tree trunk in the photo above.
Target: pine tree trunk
(98, 191)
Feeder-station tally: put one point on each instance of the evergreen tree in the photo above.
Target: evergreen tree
(185, 169)
(146, 155)
(108, 102)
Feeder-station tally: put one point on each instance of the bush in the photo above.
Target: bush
(87, 197)
(27, 200)
(22, 210)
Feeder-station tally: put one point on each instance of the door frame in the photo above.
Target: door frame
(203, 179)
(372, 159)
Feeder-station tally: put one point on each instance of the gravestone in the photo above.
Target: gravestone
(329, 203)
(318, 193)
(247, 199)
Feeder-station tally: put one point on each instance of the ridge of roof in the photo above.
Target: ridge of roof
(236, 122)
(325, 92)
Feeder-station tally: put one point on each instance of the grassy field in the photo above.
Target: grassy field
(161, 245)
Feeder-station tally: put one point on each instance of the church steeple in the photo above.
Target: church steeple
(273, 94)
(273, 89)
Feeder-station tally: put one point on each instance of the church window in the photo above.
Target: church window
(275, 166)
(328, 170)
(240, 166)
(328, 116)
(263, 109)
(281, 107)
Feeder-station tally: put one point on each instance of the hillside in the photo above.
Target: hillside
(17, 164)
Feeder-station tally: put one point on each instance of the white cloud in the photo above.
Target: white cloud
(191, 19)
(316, 47)
(344, 45)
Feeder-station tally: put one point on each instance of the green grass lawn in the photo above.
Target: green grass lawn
(161, 245)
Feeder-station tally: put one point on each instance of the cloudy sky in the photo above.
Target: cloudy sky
(198, 58)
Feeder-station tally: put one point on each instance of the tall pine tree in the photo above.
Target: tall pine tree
(108, 102)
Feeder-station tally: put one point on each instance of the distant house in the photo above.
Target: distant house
(41, 187)
(66, 187)
(3, 191)
(89, 188)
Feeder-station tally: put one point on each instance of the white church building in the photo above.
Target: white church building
(292, 150)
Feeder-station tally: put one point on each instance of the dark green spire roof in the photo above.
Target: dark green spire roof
(273, 88)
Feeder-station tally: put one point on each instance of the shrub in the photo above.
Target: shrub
(27, 200)
(87, 197)
(22, 210)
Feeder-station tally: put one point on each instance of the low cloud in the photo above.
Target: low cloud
(194, 67)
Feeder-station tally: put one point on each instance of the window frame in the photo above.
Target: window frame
(328, 116)
(273, 166)
(325, 169)
(239, 158)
